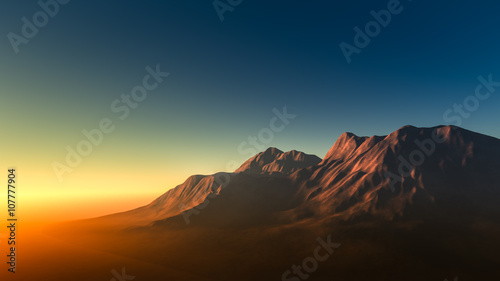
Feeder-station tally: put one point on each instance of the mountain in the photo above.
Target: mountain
(274, 160)
(411, 172)
(197, 188)
(417, 204)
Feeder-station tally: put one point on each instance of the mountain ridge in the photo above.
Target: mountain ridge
(273, 160)
(354, 176)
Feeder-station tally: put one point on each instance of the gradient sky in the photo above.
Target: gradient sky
(226, 78)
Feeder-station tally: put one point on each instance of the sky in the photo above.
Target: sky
(228, 80)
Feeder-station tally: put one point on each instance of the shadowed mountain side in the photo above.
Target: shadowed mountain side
(248, 200)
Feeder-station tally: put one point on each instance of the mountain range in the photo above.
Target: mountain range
(417, 204)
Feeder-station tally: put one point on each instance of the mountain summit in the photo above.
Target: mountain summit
(274, 160)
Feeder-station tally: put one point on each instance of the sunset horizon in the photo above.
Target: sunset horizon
(231, 139)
